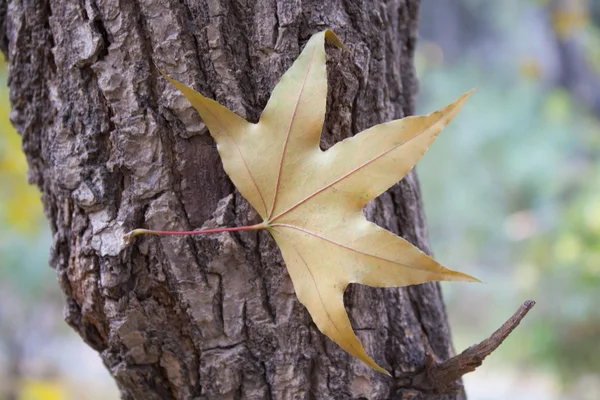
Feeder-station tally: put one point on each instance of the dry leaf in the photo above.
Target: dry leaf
(311, 200)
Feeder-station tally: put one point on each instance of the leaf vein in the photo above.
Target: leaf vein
(348, 247)
(241, 156)
(349, 173)
(289, 130)
(315, 283)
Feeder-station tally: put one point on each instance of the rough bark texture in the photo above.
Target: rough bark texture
(114, 147)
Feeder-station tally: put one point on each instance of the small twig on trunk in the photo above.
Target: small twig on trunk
(443, 377)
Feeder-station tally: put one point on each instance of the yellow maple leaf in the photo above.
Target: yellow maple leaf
(311, 200)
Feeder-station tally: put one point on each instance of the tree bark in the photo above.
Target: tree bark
(114, 147)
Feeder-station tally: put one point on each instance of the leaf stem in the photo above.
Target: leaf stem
(129, 236)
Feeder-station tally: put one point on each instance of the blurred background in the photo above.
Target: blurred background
(511, 191)
(512, 187)
(41, 358)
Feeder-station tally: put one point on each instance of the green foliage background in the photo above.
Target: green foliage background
(512, 190)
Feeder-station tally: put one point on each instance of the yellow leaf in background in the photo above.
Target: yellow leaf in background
(20, 205)
(530, 68)
(38, 389)
(311, 200)
(568, 17)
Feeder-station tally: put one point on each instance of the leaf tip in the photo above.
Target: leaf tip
(461, 276)
(383, 371)
(462, 99)
(451, 110)
(371, 363)
(184, 89)
(167, 77)
(332, 38)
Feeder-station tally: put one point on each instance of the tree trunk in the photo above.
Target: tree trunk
(114, 147)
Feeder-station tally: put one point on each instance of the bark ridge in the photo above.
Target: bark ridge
(114, 147)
